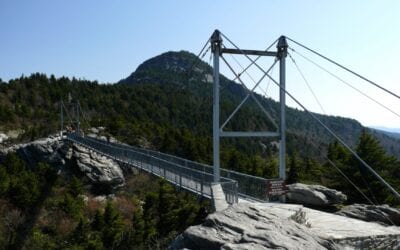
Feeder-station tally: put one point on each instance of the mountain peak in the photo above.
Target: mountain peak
(170, 66)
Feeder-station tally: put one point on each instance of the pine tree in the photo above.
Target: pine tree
(98, 221)
(167, 214)
(293, 175)
(137, 233)
(80, 234)
(4, 181)
(75, 187)
(372, 153)
(113, 226)
(149, 215)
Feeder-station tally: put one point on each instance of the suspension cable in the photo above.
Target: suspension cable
(256, 59)
(348, 179)
(306, 82)
(251, 94)
(397, 195)
(198, 59)
(366, 184)
(69, 117)
(346, 83)
(248, 66)
(345, 68)
(355, 186)
(246, 72)
(268, 83)
(83, 115)
(259, 81)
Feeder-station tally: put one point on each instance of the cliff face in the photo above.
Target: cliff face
(266, 226)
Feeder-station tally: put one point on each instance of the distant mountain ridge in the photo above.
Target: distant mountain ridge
(393, 132)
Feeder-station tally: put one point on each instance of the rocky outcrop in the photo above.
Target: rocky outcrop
(97, 168)
(244, 226)
(3, 137)
(314, 195)
(102, 137)
(284, 226)
(382, 214)
(41, 150)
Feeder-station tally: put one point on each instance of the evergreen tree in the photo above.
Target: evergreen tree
(293, 175)
(112, 230)
(75, 187)
(372, 153)
(149, 215)
(24, 189)
(80, 234)
(137, 233)
(4, 181)
(72, 205)
(98, 221)
(167, 214)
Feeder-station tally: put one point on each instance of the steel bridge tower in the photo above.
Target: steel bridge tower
(280, 54)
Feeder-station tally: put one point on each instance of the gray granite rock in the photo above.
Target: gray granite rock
(97, 168)
(3, 137)
(314, 195)
(244, 226)
(44, 149)
(382, 214)
(272, 226)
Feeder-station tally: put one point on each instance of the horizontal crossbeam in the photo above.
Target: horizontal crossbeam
(249, 52)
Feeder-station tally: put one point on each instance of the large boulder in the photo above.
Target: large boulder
(244, 226)
(97, 168)
(42, 150)
(382, 214)
(284, 226)
(314, 195)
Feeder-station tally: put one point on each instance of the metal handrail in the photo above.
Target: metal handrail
(188, 178)
(249, 187)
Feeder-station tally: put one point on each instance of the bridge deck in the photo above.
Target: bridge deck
(189, 179)
(192, 176)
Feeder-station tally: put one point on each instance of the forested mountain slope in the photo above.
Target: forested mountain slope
(172, 91)
(166, 104)
(184, 69)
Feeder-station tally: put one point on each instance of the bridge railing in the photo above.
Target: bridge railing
(191, 179)
(248, 186)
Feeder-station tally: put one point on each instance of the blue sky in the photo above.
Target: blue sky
(107, 40)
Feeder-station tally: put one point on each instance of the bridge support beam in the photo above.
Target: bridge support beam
(216, 42)
(282, 53)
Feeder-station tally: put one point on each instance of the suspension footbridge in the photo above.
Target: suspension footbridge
(214, 182)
